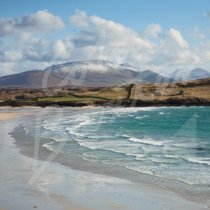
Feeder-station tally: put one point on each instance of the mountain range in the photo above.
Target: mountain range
(93, 73)
(198, 73)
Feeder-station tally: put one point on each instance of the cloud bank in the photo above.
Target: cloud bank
(30, 42)
(42, 21)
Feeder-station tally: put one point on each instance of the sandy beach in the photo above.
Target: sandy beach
(38, 179)
(7, 116)
(13, 176)
(9, 113)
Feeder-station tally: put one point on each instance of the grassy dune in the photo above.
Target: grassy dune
(188, 93)
(192, 89)
(68, 98)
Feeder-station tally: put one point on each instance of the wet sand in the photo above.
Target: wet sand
(16, 191)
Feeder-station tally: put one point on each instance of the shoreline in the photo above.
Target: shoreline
(184, 190)
(16, 192)
(9, 115)
(151, 192)
(170, 102)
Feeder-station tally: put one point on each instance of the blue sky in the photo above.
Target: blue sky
(133, 13)
(165, 33)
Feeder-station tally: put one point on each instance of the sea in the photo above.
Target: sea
(167, 142)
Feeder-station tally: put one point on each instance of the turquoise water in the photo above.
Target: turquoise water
(171, 142)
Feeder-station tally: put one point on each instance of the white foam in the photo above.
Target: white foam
(86, 122)
(73, 131)
(49, 127)
(172, 156)
(134, 109)
(205, 161)
(148, 141)
(48, 146)
(137, 156)
(81, 122)
(141, 117)
(126, 136)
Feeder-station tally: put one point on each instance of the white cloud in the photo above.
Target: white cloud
(118, 35)
(80, 19)
(106, 39)
(96, 38)
(153, 30)
(10, 56)
(41, 21)
(60, 50)
(177, 36)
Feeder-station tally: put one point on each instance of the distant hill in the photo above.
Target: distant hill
(199, 74)
(28, 79)
(95, 73)
(194, 74)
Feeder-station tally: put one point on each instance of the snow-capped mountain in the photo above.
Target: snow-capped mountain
(128, 66)
(103, 73)
(91, 66)
(94, 73)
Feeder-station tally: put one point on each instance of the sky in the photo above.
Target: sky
(162, 35)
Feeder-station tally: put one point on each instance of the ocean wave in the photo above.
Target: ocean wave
(101, 145)
(204, 161)
(77, 129)
(141, 117)
(125, 136)
(120, 111)
(90, 145)
(48, 146)
(172, 156)
(191, 146)
(161, 113)
(137, 156)
(50, 127)
(86, 121)
(147, 141)
(74, 132)
(107, 136)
